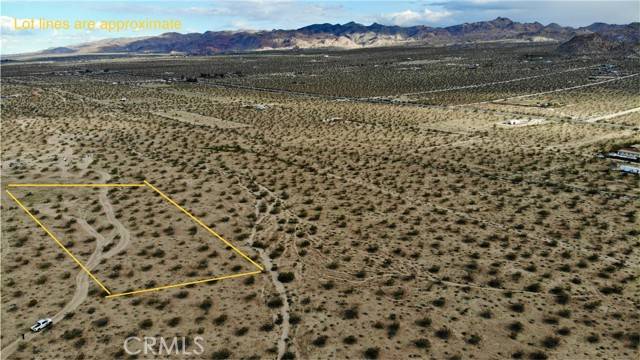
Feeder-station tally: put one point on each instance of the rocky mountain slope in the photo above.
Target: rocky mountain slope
(354, 35)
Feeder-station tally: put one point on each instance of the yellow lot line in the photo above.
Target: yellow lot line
(75, 185)
(182, 284)
(194, 218)
(58, 242)
(171, 201)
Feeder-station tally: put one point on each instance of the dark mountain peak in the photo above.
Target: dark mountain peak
(346, 35)
(350, 28)
(319, 28)
(501, 22)
(599, 26)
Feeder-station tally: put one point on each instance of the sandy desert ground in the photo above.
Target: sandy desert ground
(395, 213)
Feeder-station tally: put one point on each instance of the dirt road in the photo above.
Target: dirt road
(550, 91)
(611, 116)
(82, 279)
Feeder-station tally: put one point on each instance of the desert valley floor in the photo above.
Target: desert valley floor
(444, 203)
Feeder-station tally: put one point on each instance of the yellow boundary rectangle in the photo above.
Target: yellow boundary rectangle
(164, 196)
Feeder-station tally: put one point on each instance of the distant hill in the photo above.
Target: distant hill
(600, 43)
(592, 43)
(353, 35)
(60, 50)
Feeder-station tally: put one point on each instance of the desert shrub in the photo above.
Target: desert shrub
(294, 319)
(422, 343)
(275, 302)
(328, 285)
(517, 307)
(266, 327)
(350, 340)
(146, 324)
(102, 322)
(320, 341)
(220, 319)
(473, 339)
(538, 355)
(351, 313)
(286, 277)
(182, 294)
(593, 338)
(392, 329)
(550, 342)
(424, 322)
(443, 333)
(221, 354)
(535, 287)
(173, 321)
(206, 304)
(41, 280)
(515, 327)
(72, 334)
(372, 353)
(241, 331)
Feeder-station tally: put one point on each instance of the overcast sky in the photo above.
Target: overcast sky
(199, 16)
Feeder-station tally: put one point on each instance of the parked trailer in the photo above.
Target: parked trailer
(629, 169)
(625, 154)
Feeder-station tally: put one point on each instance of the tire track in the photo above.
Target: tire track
(82, 280)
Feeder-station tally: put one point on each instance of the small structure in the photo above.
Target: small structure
(606, 71)
(523, 122)
(629, 169)
(628, 154)
(259, 107)
(331, 120)
(515, 122)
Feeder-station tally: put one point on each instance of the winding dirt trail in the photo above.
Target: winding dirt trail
(549, 91)
(612, 116)
(473, 86)
(82, 279)
(125, 235)
(282, 292)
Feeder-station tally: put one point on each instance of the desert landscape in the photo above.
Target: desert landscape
(437, 202)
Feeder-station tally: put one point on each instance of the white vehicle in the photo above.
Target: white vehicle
(41, 324)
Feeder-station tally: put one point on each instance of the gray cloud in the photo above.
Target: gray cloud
(564, 12)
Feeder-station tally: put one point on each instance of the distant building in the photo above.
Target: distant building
(629, 169)
(629, 154)
(515, 122)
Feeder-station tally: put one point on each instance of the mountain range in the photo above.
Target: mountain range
(353, 35)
